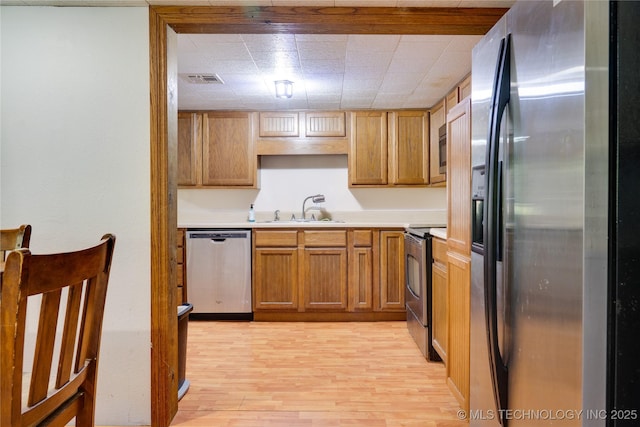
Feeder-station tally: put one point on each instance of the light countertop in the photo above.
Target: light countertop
(440, 233)
(364, 219)
(296, 224)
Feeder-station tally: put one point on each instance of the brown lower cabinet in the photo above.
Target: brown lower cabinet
(181, 267)
(275, 270)
(458, 358)
(325, 279)
(328, 274)
(440, 298)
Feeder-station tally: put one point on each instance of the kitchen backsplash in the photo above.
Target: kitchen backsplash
(285, 181)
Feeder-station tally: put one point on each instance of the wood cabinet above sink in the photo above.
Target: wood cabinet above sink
(302, 132)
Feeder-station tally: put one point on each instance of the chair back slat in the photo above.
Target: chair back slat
(43, 355)
(68, 334)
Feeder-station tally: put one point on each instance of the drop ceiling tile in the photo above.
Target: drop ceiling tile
(356, 104)
(270, 42)
(359, 84)
(289, 57)
(321, 50)
(425, 39)
(365, 73)
(388, 100)
(374, 60)
(410, 50)
(404, 83)
(236, 67)
(322, 37)
(372, 43)
(401, 67)
(322, 66)
(463, 43)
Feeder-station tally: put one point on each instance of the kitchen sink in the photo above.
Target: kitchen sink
(302, 221)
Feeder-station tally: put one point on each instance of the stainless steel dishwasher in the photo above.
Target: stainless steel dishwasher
(219, 273)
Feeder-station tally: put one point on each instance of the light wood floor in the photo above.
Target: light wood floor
(263, 374)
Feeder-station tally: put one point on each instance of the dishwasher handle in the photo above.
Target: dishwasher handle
(217, 237)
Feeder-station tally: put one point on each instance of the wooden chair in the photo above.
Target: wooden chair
(14, 238)
(81, 278)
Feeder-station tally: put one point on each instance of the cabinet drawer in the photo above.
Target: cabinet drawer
(362, 238)
(439, 250)
(273, 238)
(332, 238)
(180, 274)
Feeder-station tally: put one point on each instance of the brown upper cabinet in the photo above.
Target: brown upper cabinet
(464, 88)
(302, 132)
(459, 92)
(409, 143)
(189, 148)
(437, 126)
(437, 120)
(216, 149)
(389, 148)
(368, 152)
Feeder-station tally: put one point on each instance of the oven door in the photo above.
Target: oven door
(415, 276)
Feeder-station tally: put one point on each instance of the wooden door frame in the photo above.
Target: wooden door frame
(163, 20)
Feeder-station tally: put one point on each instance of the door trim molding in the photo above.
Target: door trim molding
(163, 20)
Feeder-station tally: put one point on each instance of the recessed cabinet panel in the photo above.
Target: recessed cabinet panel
(325, 238)
(362, 238)
(459, 177)
(458, 281)
(279, 124)
(275, 279)
(368, 151)
(325, 124)
(452, 98)
(360, 279)
(228, 154)
(276, 238)
(410, 147)
(437, 119)
(189, 148)
(464, 88)
(325, 279)
(216, 149)
(392, 271)
(440, 299)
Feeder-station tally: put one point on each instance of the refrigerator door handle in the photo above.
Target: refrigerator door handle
(492, 227)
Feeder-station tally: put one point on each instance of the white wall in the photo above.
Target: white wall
(74, 163)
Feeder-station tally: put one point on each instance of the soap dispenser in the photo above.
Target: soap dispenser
(252, 214)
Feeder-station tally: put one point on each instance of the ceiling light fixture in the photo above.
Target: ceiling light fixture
(284, 88)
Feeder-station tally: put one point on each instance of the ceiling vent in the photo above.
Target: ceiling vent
(203, 79)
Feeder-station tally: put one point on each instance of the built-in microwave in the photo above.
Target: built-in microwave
(442, 149)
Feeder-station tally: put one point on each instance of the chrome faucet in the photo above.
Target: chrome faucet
(318, 198)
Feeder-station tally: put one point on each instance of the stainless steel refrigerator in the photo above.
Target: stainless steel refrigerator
(555, 292)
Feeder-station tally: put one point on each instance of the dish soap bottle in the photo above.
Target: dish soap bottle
(252, 214)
